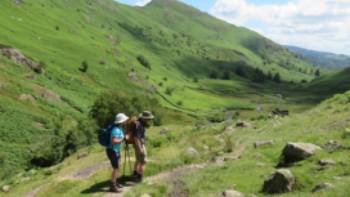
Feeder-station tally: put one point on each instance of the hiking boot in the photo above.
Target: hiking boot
(137, 178)
(120, 186)
(114, 188)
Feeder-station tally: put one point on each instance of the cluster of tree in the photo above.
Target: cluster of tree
(108, 105)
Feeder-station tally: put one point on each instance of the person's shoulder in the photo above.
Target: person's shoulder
(117, 130)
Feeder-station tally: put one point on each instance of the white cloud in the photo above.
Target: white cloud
(142, 2)
(315, 24)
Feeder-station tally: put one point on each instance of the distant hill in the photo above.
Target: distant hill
(322, 59)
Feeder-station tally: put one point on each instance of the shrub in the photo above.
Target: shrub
(144, 62)
(213, 75)
(57, 28)
(195, 80)
(240, 72)
(84, 67)
(226, 75)
(169, 91)
(179, 103)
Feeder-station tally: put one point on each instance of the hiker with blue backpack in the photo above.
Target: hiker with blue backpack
(112, 138)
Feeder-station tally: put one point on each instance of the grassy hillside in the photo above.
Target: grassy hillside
(191, 62)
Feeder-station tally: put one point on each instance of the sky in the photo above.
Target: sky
(322, 25)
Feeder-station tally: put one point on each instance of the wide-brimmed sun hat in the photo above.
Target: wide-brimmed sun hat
(120, 118)
(146, 115)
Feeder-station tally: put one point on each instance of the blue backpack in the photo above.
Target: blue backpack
(104, 136)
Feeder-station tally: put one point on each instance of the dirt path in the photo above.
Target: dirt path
(86, 172)
(173, 177)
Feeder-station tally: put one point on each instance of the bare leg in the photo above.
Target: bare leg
(114, 176)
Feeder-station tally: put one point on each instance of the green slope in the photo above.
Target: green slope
(180, 43)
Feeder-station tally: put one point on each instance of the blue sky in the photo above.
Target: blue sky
(314, 24)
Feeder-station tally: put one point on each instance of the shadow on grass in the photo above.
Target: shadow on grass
(104, 186)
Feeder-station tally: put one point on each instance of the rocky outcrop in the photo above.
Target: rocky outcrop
(17, 57)
(280, 182)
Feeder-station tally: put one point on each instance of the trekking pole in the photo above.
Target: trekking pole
(129, 161)
(124, 162)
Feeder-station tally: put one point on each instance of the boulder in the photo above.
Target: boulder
(27, 98)
(192, 152)
(294, 152)
(232, 193)
(259, 144)
(6, 188)
(132, 76)
(323, 186)
(326, 162)
(280, 182)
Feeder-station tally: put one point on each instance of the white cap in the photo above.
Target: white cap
(120, 118)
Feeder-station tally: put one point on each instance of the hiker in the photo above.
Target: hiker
(114, 149)
(137, 129)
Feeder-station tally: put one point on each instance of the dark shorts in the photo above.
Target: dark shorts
(114, 158)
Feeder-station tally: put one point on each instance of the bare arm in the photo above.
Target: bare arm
(116, 140)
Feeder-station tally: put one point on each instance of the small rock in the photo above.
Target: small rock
(132, 76)
(326, 162)
(164, 131)
(294, 152)
(32, 172)
(145, 195)
(27, 98)
(39, 125)
(232, 193)
(82, 155)
(323, 186)
(192, 152)
(25, 179)
(205, 147)
(229, 129)
(242, 124)
(6, 188)
(280, 182)
(219, 161)
(263, 143)
(332, 145)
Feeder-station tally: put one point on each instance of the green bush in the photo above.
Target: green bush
(144, 62)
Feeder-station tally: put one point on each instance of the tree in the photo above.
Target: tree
(258, 76)
(269, 76)
(317, 73)
(213, 75)
(277, 78)
(240, 72)
(226, 75)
